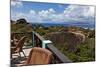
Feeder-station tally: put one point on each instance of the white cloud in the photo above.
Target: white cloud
(32, 12)
(79, 12)
(16, 3)
(90, 12)
(46, 14)
(30, 16)
(51, 10)
(73, 13)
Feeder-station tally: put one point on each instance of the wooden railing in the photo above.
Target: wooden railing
(58, 56)
(38, 41)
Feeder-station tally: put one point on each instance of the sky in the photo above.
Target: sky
(36, 12)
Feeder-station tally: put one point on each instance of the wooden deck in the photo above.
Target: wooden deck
(17, 61)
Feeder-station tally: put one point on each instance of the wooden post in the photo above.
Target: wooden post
(33, 39)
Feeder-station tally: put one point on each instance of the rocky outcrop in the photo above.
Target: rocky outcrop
(70, 38)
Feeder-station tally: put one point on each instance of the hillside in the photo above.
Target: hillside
(21, 25)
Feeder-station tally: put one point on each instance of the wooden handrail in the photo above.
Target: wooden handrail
(41, 38)
(22, 32)
(62, 58)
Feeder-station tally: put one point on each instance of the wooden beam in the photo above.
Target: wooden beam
(58, 54)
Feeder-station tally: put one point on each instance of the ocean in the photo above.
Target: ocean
(83, 25)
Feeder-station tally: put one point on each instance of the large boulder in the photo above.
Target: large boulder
(70, 38)
(21, 21)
